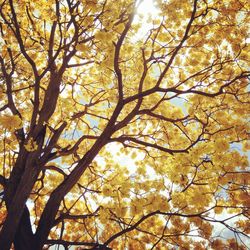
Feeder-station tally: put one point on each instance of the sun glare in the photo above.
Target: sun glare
(146, 13)
(147, 8)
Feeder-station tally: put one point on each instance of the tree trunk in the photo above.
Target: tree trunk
(16, 209)
(24, 237)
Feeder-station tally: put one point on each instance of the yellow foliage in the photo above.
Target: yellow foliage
(132, 128)
(11, 122)
(81, 47)
(119, 28)
(31, 145)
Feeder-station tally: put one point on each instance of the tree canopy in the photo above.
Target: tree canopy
(121, 130)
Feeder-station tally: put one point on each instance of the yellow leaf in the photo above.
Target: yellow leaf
(31, 145)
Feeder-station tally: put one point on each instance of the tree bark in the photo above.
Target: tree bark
(24, 237)
(16, 205)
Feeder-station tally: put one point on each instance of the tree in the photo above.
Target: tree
(113, 137)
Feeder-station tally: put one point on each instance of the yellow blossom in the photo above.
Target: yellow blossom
(31, 145)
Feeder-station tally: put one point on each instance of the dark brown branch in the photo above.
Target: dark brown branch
(54, 168)
(158, 212)
(2, 180)
(162, 117)
(77, 243)
(67, 216)
(123, 139)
